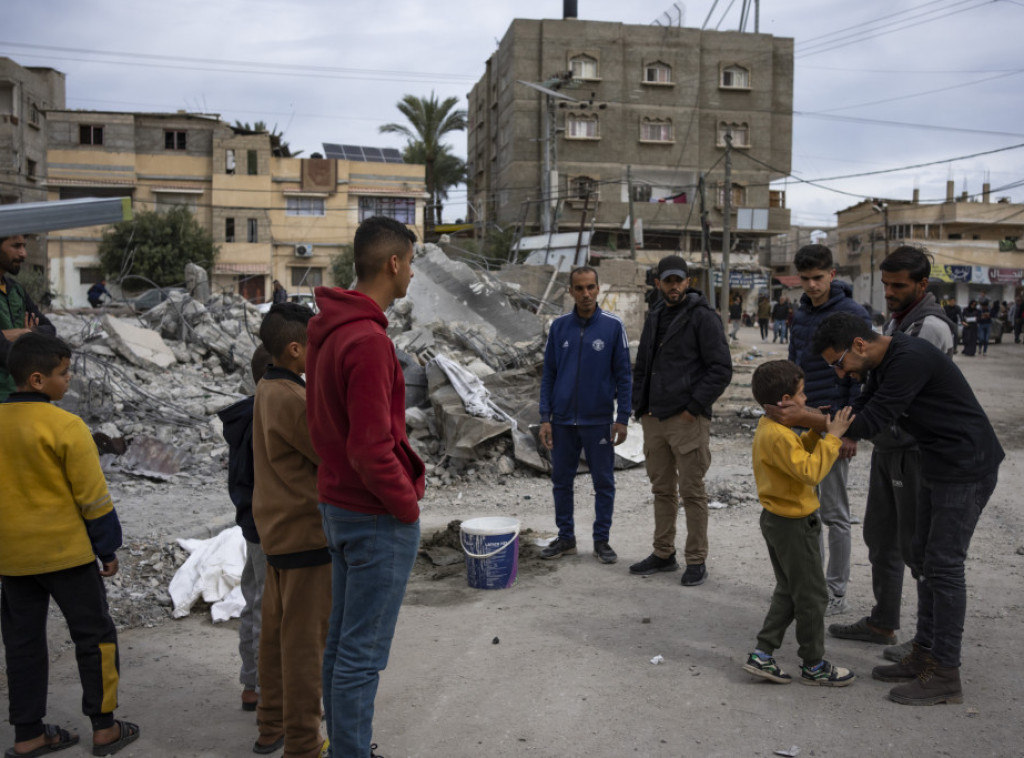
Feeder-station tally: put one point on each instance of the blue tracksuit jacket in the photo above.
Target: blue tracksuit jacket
(586, 369)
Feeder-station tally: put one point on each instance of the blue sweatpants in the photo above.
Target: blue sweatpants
(596, 442)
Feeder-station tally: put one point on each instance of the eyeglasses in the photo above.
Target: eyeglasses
(838, 362)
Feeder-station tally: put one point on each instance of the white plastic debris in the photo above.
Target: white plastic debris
(658, 659)
(717, 505)
(790, 753)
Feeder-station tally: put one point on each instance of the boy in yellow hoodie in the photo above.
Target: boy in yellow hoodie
(56, 519)
(787, 466)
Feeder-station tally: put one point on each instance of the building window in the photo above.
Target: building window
(642, 192)
(254, 230)
(30, 168)
(740, 134)
(175, 139)
(89, 275)
(739, 196)
(229, 161)
(254, 162)
(33, 114)
(307, 276)
(167, 200)
(229, 229)
(399, 208)
(582, 188)
(90, 135)
(657, 73)
(305, 206)
(735, 77)
(656, 130)
(582, 126)
(583, 67)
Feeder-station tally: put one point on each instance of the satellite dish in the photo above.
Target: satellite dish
(818, 236)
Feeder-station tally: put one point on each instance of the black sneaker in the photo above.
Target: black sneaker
(558, 548)
(653, 564)
(694, 575)
(766, 668)
(604, 553)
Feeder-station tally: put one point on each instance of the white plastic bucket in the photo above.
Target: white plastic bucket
(491, 545)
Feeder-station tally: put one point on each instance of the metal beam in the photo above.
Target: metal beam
(35, 218)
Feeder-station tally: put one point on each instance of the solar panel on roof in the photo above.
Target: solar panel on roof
(359, 153)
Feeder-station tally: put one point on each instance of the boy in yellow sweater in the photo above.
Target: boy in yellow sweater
(787, 466)
(56, 519)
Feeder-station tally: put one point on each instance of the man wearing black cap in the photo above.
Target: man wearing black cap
(683, 366)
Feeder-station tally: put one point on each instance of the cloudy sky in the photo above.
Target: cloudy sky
(878, 85)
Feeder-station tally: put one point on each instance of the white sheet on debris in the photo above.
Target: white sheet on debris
(212, 571)
(475, 396)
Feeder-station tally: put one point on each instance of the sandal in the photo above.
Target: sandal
(65, 739)
(129, 733)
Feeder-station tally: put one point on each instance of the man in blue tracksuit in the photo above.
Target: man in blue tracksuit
(586, 372)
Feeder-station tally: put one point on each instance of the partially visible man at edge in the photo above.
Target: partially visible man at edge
(18, 314)
(369, 480)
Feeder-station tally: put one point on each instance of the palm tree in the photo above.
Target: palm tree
(449, 171)
(429, 120)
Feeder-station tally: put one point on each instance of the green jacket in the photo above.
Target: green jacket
(13, 307)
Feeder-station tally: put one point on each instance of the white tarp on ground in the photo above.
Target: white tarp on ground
(212, 571)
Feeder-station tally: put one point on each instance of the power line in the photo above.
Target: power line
(884, 122)
(925, 92)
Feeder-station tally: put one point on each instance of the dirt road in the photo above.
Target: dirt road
(560, 665)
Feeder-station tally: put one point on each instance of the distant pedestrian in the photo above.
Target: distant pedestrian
(970, 333)
(585, 396)
(97, 292)
(735, 317)
(682, 367)
(764, 314)
(984, 329)
(956, 316)
(781, 314)
(280, 294)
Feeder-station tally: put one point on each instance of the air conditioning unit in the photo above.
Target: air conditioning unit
(304, 250)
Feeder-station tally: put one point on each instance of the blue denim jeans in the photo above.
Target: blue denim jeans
(565, 461)
(947, 514)
(372, 557)
(781, 331)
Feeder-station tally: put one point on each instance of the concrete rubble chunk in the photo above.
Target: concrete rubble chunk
(141, 347)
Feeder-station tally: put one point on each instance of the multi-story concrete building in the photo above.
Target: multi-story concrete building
(648, 112)
(26, 94)
(272, 217)
(977, 244)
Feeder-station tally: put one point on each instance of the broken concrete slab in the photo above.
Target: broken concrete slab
(141, 347)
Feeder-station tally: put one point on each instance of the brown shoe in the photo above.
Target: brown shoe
(934, 685)
(912, 666)
(250, 698)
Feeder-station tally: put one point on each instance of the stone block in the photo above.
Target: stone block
(141, 347)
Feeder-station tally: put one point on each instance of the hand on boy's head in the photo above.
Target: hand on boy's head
(109, 569)
(785, 412)
(839, 423)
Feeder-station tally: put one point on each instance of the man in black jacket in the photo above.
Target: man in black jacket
(683, 366)
(912, 383)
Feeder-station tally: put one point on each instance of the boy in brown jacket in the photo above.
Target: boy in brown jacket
(297, 592)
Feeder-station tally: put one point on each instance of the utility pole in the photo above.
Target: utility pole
(705, 237)
(726, 216)
(545, 182)
(632, 216)
(583, 223)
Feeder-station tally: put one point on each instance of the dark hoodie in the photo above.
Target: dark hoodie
(237, 420)
(355, 405)
(822, 386)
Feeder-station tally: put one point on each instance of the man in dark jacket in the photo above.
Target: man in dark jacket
(682, 367)
(894, 485)
(18, 314)
(586, 369)
(822, 297)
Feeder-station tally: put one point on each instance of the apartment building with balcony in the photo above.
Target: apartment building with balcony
(272, 217)
(630, 112)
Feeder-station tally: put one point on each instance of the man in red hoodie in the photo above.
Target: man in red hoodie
(369, 480)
